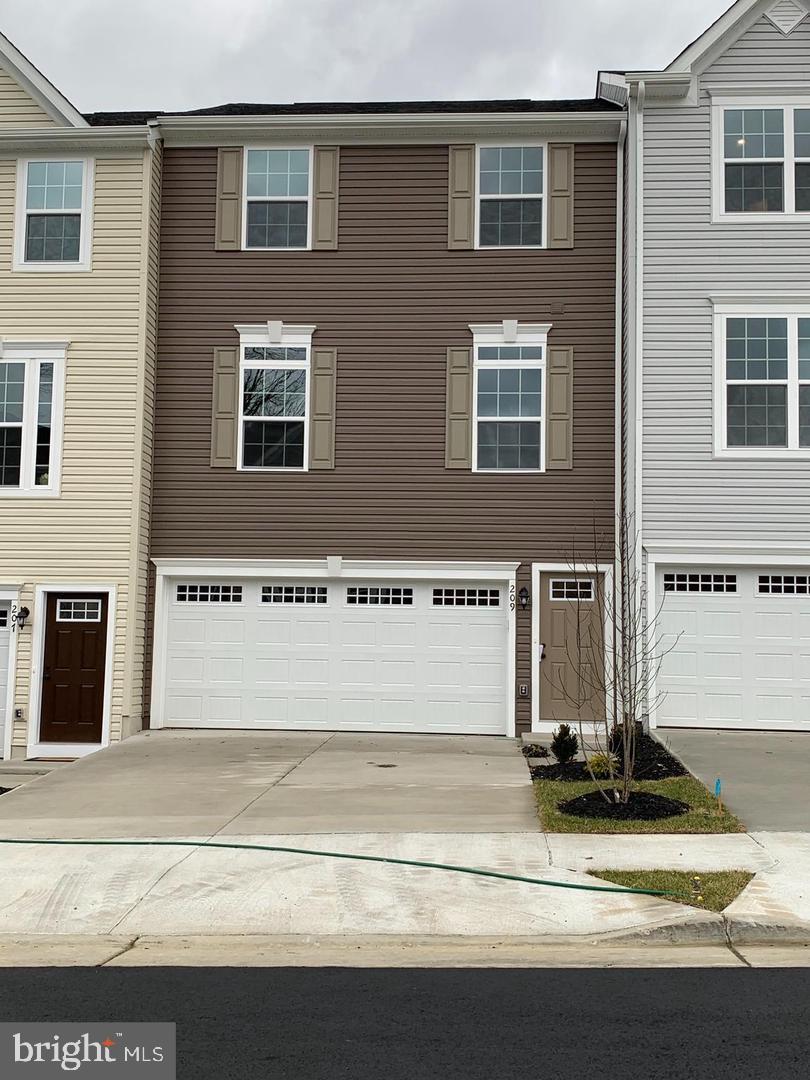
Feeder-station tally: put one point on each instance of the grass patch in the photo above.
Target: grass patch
(705, 815)
(712, 891)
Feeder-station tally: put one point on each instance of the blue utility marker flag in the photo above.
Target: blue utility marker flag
(717, 788)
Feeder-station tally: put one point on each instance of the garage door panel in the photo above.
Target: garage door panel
(744, 662)
(385, 664)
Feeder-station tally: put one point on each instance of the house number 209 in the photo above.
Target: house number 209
(511, 597)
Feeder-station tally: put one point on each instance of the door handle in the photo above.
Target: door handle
(46, 675)
(542, 651)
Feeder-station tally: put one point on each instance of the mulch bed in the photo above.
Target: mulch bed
(642, 806)
(653, 762)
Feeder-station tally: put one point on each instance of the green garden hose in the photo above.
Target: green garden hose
(345, 855)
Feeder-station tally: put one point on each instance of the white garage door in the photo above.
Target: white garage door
(337, 655)
(743, 656)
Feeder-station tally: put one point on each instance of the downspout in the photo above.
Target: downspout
(618, 407)
(639, 342)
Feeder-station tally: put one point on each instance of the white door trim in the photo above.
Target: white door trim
(41, 749)
(10, 596)
(720, 557)
(534, 673)
(331, 567)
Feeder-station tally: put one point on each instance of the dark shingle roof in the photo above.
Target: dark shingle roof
(362, 107)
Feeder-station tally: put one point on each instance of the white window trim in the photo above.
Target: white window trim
(499, 334)
(544, 197)
(84, 264)
(32, 355)
(276, 198)
(288, 337)
(754, 310)
(787, 104)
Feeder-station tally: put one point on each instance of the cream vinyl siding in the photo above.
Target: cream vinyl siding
(17, 108)
(96, 530)
(689, 494)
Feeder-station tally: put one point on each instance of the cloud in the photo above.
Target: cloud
(182, 54)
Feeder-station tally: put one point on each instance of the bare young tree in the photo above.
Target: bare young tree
(614, 656)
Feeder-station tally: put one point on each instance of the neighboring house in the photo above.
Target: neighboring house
(79, 208)
(385, 411)
(718, 345)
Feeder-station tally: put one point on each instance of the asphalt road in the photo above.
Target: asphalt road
(327, 1024)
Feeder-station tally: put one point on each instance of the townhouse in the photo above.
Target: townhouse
(79, 206)
(717, 336)
(385, 411)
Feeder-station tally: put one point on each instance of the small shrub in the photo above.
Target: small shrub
(603, 764)
(540, 751)
(564, 744)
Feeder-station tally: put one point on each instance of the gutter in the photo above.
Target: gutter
(113, 137)
(638, 277)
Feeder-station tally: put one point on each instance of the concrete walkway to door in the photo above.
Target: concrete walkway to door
(190, 783)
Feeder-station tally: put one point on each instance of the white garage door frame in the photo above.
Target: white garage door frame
(720, 556)
(333, 567)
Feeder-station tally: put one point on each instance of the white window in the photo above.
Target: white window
(209, 594)
(78, 611)
(571, 589)
(510, 207)
(466, 597)
(761, 160)
(294, 594)
(386, 595)
(783, 585)
(278, 199)
(700, 583)
(274, 400)
(762, 381)
(54, 214)
(509, 395)
(31, 391)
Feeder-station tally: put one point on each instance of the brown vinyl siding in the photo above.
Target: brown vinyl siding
(391, 299)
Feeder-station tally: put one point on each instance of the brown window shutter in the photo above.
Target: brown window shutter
(326, 173)
(225, 408)
(561, 195)
(322, 411)
(229, 199)
(458, 444)
(461, 211)
(560, 418)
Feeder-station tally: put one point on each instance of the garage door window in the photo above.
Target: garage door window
(379, 594)
(700, 583)
(209, 594)
(783, 585)
(274, 408)
(466, 597)
(294, 594)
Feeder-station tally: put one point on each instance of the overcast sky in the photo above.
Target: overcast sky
(183, 54)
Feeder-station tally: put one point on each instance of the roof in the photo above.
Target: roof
(343, 108)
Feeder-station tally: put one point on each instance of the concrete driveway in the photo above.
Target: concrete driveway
(765, 776)
(173, 783)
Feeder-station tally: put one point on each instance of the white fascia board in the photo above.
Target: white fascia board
(74, 140)
(43, 91)
(719, 35)
(407, 127)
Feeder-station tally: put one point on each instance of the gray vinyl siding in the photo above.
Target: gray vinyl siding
(688, 494)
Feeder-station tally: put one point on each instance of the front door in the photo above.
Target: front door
(572, 670)
(72, 709)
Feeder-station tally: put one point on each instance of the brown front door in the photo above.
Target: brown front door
(572, 672)
(73, 665)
